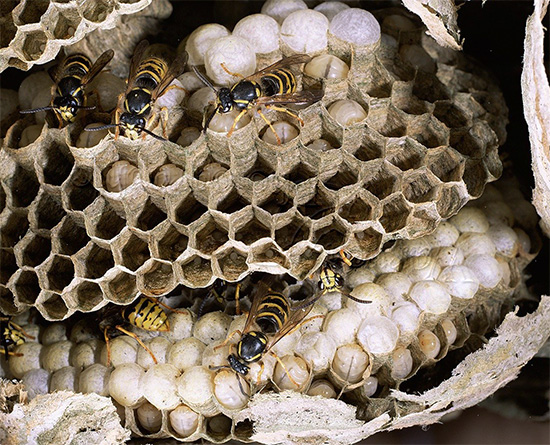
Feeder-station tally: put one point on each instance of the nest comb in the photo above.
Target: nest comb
(427, 146)
(33, 31)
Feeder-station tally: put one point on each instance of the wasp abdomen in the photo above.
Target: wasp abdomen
(272, 313)
(278, 82)
(146, 314)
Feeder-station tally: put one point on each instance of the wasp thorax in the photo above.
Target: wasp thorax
(327, 66)
(295, 374)
(184, 420)
(124, 384)
(347, 112)
(282, 132)
(120, 176)
(149, 417)
(350, 363)
(231, 390)
(323, 388)
(429, 344)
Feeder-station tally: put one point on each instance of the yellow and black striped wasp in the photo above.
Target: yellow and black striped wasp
(271, 317)
(149, 78)
(331, 280)
(274, 85)
(11, 334)
(71, 78)
(145, 313)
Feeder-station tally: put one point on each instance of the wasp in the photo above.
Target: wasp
(272, 316)
(11, 334)
(331, 280)
(274, 85)
(148, 79)
(145, 313)
(350, 260)
(71, 78)
(222, 292)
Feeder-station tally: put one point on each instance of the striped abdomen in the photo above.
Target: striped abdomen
(272, 313)
(150, 72)
(70, 79)
(146, 314)
(278, 82)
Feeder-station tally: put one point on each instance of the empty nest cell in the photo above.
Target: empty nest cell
(26, 287)
(13, 229)
(34, 45)
(88, 296)
(36, 250)
(395, 212)
(260, 170)
(172, 244)
(57, 163)
(196, 270)
(269, 253)
(53, 307)
(232, 263)
(381, 180)
(109, 224)
(80, 190)
(49, 212)
(24, 186)
(292, 232)
(59, 273)
(212, 236)
(150, 217)
(97, 261)
(331, 236)
(156, 278)
(189, 210)
(9, 265)
(252, 231)
(71, 236)
(277, 202)
(358, 209)
(121, 288)
(232, 203)
(134, 253)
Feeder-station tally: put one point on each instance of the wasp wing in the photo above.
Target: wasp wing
(260, 290)
(283, 63)
(134, 64)
(99, 64)
(55, 71)
(305, 97)
(177, 67)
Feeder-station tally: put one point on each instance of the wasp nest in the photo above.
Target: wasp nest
(432, 296)
(406, 133)
(33, 31)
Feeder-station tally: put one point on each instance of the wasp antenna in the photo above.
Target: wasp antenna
(80, 107)
(36, 110)
(209, 119)
(204, 79)
(103, 127)
(358, 300)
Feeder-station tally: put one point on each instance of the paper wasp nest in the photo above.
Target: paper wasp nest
(409, 135)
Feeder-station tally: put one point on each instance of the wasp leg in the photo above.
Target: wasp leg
(237, 119)
(345, 259)
(117, 120)
(163, 118)
(165, 306)
(107, 343)
(20, 329)
(134, 336)
(259, 378)
(270, 126)
(284, 367)
(287, 111)
(175, 87)
(237, 299)
(221, 345)
(303, 322)
(231, 73)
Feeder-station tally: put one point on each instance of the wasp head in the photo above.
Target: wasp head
(224, 102)
(133, 125)
(67, 107)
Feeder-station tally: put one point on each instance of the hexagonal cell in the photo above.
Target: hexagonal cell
(260, 170)
(197, 270)
(36, 251)
(13, 229)
(81, 192)
(31, 12)
(342, 178)
(189, 210)
(66, 25)
(49, 212)
(450, 201)
(376, 81)
(9, 266)
(331, 236)
(405, 153)
(252, 231)
(71, 237)
(292, 233)
(24, 187)
(428, 131)
(369, 241)
(9, 31)
(109, 225)
(409, 104)
(98, 261)
(381, 182)
(447, 165)
(420, 187)
(6, 302)
(232, 263)
(475, 178)
(304, 263)
(199, 169)
(277, 202)
(88, 296)
(422, 221)
(150, 217)
(468, 144)
(156, 278)
(232, 203)
(96, 11)
(270, 254)
(53, 307)
(219, 427)
(450, 114)
(57, 164)
(27, 287)
(34, 45)
(134, 253)
(372, 146)
(300, 173)
(428, 87)
(60, 272)
(394, 214)
(243, 430)
(121, 288)
(318, 206)
(211, 237)
(388, 121)
(172, 244)
(2, 199)
(358, 209)
(119, 175)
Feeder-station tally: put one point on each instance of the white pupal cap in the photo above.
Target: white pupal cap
(305, 31)
(238, 56)
(356, 26)
(261, 31)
